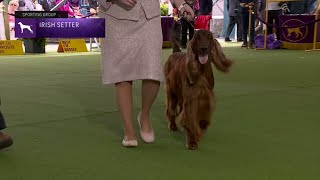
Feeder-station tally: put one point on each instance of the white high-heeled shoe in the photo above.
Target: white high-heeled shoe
(129, 143)
(146, 137)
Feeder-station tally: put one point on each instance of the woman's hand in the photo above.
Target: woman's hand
(188, 12)
(186, 9)
(126, 4)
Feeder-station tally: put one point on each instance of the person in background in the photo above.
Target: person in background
(299, 7)
(26, 5)
(66, 7)
(196, 7)
(234, 18)
(313, 4)
(205, 7)
(47, 5)
(244, 14)
(187, 26)
(5, 140)
(74, 3)
(274, 11)
(93, 5)
(12, 8)
(261, 13)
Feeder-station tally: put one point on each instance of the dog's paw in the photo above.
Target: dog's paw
(191, 143)
(192, 146)
(173, 127)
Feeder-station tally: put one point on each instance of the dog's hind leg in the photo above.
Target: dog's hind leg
(171, 110)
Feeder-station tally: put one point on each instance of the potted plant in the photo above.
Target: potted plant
(164, 9)
(35, 45)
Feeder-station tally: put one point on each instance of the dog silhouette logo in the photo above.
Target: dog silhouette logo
(27, 27)
(294, 34)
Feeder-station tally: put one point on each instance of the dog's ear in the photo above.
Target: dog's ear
(218, 58)
(175, 42)
(192, 66)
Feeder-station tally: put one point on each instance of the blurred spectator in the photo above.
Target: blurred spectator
(197, 7)
(47, 5)
(261, 13)
(274, 11)
(26, 5)
(74, 4)
(2, 27)
(66, 7)
(12, 8)
(93, 4)
(299, 7)
(205, 7)
(234, 18)
(187, 27)
(313, 4)
(38, 6)
(244, 14)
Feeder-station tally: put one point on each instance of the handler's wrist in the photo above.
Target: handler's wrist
(182, 6)
(178, 3)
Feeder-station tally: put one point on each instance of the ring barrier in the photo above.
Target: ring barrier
(315, 22)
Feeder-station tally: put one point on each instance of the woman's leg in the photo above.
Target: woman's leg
(149, 92)
(124, 101)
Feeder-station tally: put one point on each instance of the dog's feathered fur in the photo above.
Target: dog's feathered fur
(189, 84)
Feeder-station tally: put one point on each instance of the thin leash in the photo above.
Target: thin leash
(190, 22)
(183, 16)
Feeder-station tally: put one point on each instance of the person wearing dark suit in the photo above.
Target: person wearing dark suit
(234, 18)
(205, 7)
(244, 14)
(5, 140)
(300, 7)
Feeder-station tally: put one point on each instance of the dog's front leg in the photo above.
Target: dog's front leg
(189, 122)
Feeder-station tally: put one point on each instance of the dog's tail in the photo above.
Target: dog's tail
(167, 66)
(174, 37)
(219, 59)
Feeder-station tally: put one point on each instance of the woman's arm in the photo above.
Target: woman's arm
(184, 8)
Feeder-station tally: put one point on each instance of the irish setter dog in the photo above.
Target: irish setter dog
(189, 85)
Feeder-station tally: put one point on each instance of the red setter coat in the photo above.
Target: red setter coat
(189, 85)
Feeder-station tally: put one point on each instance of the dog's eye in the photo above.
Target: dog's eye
(210, 36)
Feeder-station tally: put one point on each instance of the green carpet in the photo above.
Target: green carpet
(66, 126)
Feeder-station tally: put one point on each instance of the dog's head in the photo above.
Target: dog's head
(200, 46)
(204, 49)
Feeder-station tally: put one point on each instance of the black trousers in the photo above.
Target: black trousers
(274, 15)
(233, 20)
(2, 122)
(185, 26)
(245, 27)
